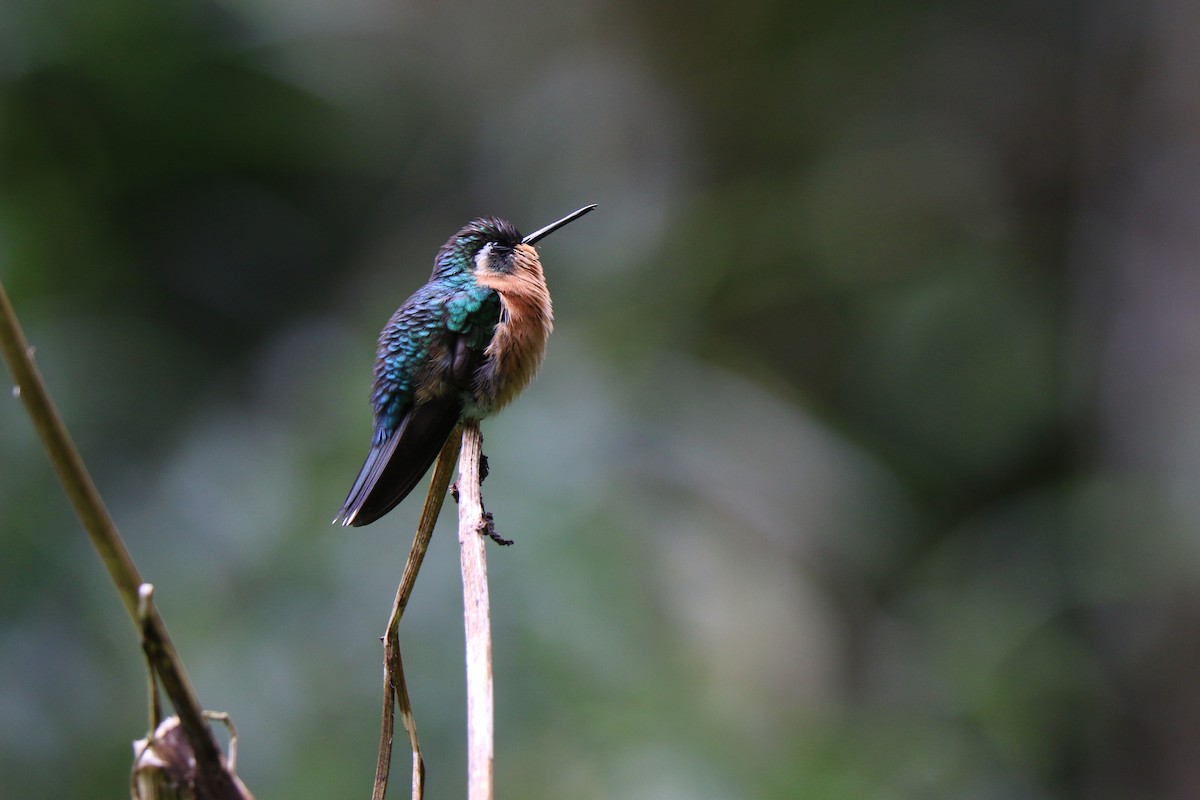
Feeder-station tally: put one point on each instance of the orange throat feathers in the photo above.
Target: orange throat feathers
(526, 320)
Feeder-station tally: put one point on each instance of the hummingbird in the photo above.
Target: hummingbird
(463, 346)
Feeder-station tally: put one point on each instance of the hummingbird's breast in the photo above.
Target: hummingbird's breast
(515, 353)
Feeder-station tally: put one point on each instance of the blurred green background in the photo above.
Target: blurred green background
(864, 459)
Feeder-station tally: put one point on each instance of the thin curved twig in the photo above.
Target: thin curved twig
(395, 688)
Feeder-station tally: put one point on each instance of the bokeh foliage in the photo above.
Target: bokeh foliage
(862, 464)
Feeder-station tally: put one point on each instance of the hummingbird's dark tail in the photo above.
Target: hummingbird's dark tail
(393, 468)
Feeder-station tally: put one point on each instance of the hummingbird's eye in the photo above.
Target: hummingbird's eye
(500, 257)
(495, 257)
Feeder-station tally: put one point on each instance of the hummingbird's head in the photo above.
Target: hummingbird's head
(494, 246)
(486, 239)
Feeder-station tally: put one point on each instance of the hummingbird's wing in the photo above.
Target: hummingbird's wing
(397, 462)
(425, 366)
(395, 466)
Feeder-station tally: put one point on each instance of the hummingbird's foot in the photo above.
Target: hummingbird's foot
(489, 527)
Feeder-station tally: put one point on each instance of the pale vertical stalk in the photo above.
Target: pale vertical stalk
(476, 616)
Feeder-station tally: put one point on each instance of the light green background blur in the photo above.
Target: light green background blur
(864, 460)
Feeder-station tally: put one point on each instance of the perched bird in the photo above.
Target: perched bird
(464, 345)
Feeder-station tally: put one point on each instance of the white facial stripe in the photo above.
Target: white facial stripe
(481, 258)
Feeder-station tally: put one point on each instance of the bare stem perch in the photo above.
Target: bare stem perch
(395, 688)
(213, 780)
(476, 616)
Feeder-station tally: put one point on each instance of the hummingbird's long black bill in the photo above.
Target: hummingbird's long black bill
(553, 226)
